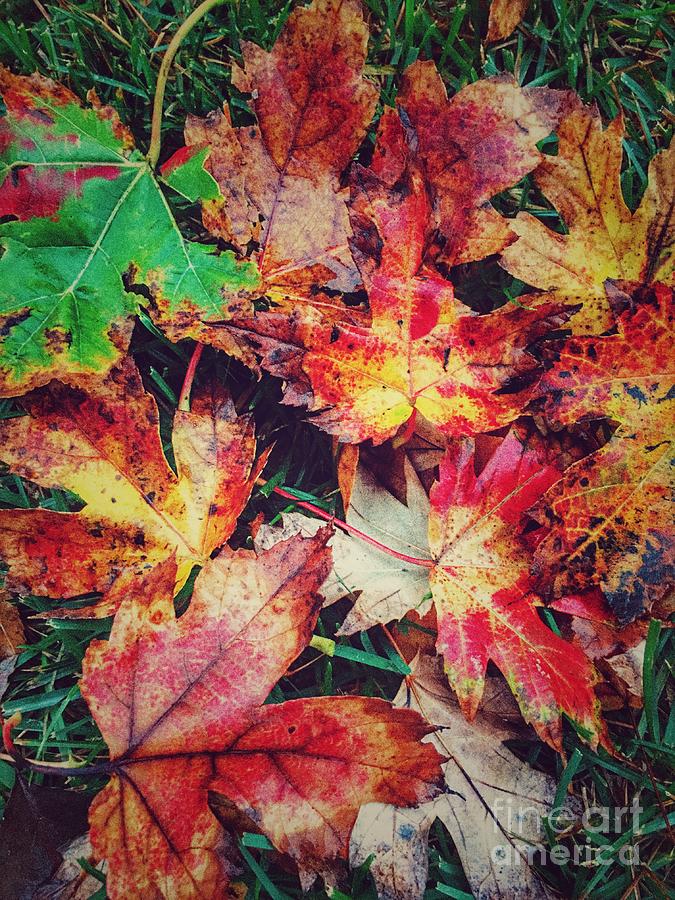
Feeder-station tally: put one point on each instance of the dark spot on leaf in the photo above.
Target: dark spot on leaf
(105, 414)
(636, 393)
(39, 115)
(8, 322)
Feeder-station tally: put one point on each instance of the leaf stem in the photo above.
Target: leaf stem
(350, 529)
(162, 77)
(184, 399)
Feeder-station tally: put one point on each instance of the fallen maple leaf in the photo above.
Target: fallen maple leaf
(483, 592)
(83, 200)
(604, 240)
(610, 517)
(423, 352)
(280, 178)
(476, 567)
(106, 448)
(493, 806)
(179, 703)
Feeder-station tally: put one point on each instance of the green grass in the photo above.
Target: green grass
(619, 55)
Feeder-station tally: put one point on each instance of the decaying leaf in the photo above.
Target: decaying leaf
(604, 240)
(388, 586)
(493, 805)
(610, 517)
(83, 201)
(106, 448)
(179, 702)
(505, 15)
(473, 146)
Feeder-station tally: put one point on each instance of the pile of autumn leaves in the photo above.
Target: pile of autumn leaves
(548, 508)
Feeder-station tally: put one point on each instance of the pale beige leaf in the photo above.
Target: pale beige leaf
(627, 670)
(388, 586)
(493, 809)
(71, 881)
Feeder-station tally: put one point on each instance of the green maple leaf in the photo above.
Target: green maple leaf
(88, 220)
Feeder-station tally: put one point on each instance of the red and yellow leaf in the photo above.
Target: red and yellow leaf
(484, 594)
(106, 448)
(480, 582)
(424, 352)
(179, 703)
